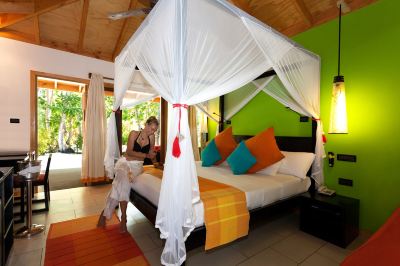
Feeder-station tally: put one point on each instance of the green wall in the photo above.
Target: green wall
(213, 106)
(370, 58)
(265, 112)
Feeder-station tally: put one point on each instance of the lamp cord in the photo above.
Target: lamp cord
(340, 24)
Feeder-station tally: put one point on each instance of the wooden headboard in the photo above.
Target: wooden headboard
(304, 144)
(296, 144)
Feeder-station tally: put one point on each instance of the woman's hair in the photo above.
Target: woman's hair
(152, 120)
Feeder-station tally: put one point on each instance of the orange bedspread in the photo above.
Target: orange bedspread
(383, 248)
(225, 211)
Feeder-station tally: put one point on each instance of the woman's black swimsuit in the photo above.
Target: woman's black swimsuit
(144, 149)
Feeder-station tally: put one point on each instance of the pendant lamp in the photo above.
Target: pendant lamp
(338, 118)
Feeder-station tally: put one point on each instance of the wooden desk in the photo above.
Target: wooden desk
(6, 213)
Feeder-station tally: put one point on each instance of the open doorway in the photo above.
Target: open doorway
(60, 110)
(57, 115)
(57, 108)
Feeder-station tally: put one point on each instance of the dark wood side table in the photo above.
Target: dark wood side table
(6, 213)
(332, 218)
(30, 229)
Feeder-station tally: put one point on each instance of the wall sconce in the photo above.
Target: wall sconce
(331, 159)
(338, 119)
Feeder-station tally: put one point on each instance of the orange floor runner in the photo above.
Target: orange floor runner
(225, 210)
(79, 242)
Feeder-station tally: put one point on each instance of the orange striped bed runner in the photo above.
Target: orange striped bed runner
(79, 242)
(225, 210)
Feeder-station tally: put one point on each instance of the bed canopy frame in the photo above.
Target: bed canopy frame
(188, 59)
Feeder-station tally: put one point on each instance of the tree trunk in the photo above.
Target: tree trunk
(61, 130)
(49, 100)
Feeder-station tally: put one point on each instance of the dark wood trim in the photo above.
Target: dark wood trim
(118, 122)
(266, 74)
(221, 113)
(33, 111)
(163, 129)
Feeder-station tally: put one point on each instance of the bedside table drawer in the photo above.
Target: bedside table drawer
(334, 219)
(321, 222)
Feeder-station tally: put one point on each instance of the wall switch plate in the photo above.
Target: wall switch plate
(345, 182)
(14, 120)
(346, 157)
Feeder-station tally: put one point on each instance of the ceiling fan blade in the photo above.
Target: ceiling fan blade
(130, 13)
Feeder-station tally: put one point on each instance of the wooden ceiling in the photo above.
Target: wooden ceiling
(82, 26)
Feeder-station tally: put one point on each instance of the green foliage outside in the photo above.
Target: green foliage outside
(135, 118)
(60, 120)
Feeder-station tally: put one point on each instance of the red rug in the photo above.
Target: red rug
(79, 242)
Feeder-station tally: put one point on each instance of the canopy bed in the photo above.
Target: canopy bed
(188, 60)
(262, 195)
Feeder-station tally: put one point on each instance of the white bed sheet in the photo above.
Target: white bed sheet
(260, 190)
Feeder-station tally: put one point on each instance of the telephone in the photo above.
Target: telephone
(326, 191)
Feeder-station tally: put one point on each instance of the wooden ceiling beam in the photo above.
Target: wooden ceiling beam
(39, 11)
(82, 30)
(118, 44)
(36, 29)
(23, 7)
(51, 85)
(44, 84)
(243, 5)
(19, 36)
(9, 17)
(301, 6)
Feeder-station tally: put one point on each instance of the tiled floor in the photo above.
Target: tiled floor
(278, 242)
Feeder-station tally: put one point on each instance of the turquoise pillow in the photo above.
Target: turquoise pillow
(241, 159)
(210, 155)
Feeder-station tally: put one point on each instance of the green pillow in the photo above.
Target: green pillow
(210, 155)
(241, 159)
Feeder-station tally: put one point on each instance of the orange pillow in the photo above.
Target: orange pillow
(225, 143)
(263, 146)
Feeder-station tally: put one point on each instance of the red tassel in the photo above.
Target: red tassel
(176, 149)
(323, 138)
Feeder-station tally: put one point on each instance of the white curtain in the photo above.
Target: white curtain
(203, 107)
(299, 73)
(94, 132)
(193, 132)
(188, 59)
(247, 96)
(130, 89)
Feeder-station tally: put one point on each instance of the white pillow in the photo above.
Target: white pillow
(224, 164)
(272, 169)
(296, 163)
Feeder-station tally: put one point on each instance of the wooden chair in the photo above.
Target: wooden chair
(43, 180)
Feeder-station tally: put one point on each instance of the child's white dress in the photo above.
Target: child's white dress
(124, 171)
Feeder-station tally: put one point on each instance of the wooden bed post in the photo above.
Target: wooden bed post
(163, 129)
(221, 113)
(118, 123)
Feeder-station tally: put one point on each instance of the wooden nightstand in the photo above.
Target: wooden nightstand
(332, 218)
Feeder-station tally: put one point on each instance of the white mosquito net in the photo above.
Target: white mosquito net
(191, 51)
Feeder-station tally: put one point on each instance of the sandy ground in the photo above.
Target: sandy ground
(65, 170)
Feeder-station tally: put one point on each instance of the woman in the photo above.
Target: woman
(140, 147)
